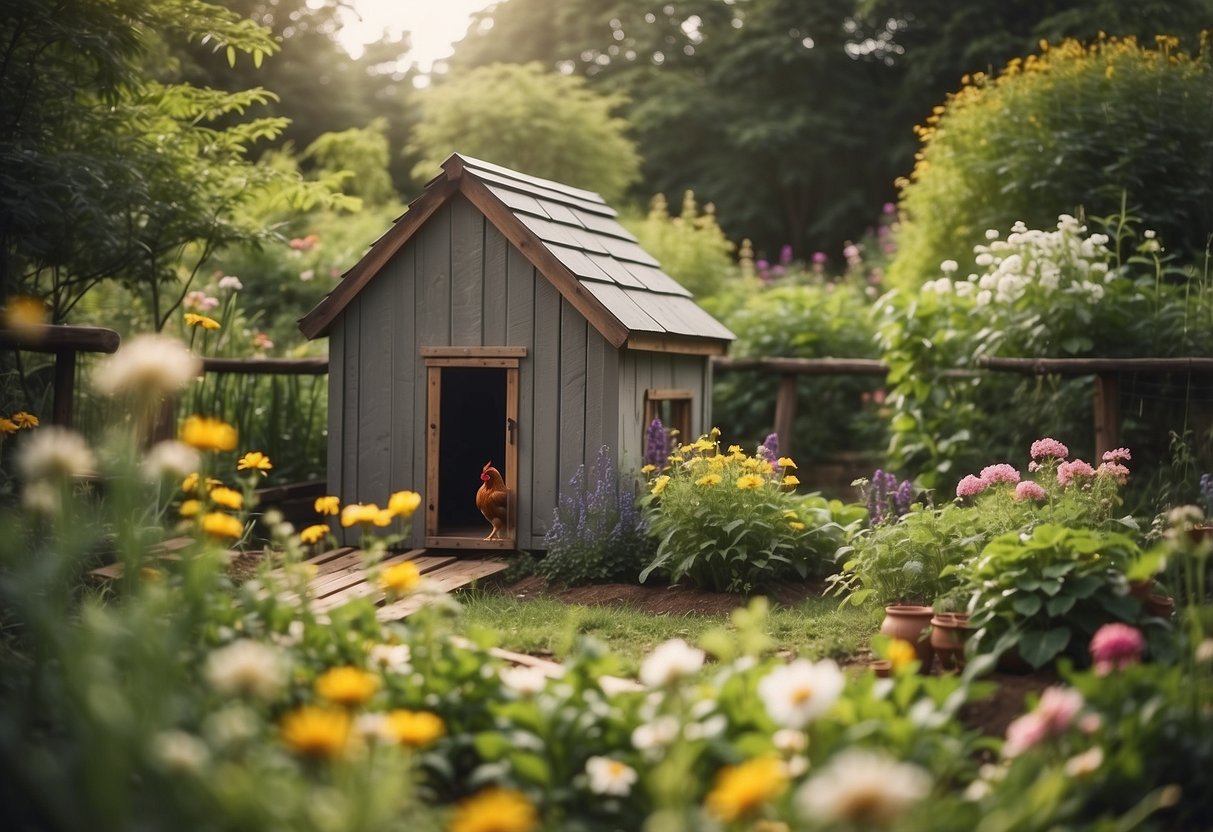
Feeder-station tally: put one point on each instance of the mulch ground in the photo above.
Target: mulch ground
(990, 716)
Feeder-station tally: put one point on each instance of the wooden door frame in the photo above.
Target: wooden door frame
(436, 358)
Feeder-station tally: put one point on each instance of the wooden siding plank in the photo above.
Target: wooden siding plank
(495, 298)
(595, 391)
(467, 272)
(520, 331)
(631, 413)
(375, 390)
(573, 400)
(610, 395)
(353, 368)
(432, 427)
(434, 280)
(334, 469)
(689, 374)
(548, 401)
(405, 367)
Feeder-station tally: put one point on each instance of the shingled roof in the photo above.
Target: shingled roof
(572, 237)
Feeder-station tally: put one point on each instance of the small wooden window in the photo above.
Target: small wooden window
(672, 407)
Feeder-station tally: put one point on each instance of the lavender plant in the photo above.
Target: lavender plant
(656, 444)
(888, 499)
(598, 535)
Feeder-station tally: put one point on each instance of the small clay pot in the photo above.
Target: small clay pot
(909, 622)
(1160, 606)
(949, 631)
(882, 668)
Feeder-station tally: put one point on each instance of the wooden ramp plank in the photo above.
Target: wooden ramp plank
(363, 588)
(164, 550)
(321, 560)
(353, 572)
(446, 579)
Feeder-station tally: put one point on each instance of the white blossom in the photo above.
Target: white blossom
(393, 658)
(170, 459)
(610, 777)
(797, 693)
(54, 453)
(230, 281)
(527, 681)
(247, 667)
(147, 365)
(861, 787)
(179, 752)
(656, 734)
(670, 662)
(948, 266)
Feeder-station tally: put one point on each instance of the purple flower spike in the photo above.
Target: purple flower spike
(656, 444)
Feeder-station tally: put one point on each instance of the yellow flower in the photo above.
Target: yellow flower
(24, 311)
(23, 419)
(347, 685)
(415, 729)
(314, 534)
(254, 461)
(194, 319)
(751, 462)
(659, 484)
(703, 445)
(791, 481)
(714, 433)
(401, 577)
(901, 653)
(797, 525)
(362, 514)
(791, 515)
(764, 467)
(495, 810)
(190, 483)
(719, 461)
(676, 458)
(327, 505)
(208, 434)
(189, 508)
(735, 450)
(316, 732)
(227, 497)
(218, 524)
(648, 469)
(748, 482)
(741, 789)
(709, 479)
(786, 462)
(403, 503)
(8, 425)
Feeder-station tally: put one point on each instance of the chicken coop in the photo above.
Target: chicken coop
(510, 319)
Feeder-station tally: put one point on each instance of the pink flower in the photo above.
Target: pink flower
(1117, 455)
(1052, 717)
(1067, 471)
(1113, 469)
(1033, 467)
(1028, 490)
(1116, 646)
(971, 486)
(994, 474)
(1049, 448)
(200, 300)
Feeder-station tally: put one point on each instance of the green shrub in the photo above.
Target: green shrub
(803, 320)
(731, 522)
(1073, 127)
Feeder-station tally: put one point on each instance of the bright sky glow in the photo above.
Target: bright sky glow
(432, 24)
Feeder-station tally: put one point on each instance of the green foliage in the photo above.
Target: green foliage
(1045, 594)
(1033, 293)
(362, 156)
(597, 533)
(530, 120)
(1073, 127)
(730, 522)
(800, 320)
(690, 246)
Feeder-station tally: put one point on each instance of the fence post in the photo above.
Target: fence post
(785, 411)
(1107, 413)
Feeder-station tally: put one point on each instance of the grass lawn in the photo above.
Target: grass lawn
(814, 628)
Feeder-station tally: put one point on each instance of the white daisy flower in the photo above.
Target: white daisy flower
(610, 777)
(247, 667)
(864, 788)
(669, 662)
(54, 453)
(393, 658)
(179, 752)
(147, 365)
(797, 693)
(527, 681)
(170, 459)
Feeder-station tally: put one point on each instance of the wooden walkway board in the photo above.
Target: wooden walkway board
(454, 574)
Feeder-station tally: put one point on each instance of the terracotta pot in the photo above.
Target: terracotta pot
(949, 631)
(909, 622)
(882, 668)
(1200, 534)
(1161, 606)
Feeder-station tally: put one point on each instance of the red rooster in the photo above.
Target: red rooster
(492, 499)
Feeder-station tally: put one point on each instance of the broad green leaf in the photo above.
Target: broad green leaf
(1039, 647)
(1026, 605)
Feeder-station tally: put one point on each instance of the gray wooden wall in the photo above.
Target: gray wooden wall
(639, 371)
(459, 282)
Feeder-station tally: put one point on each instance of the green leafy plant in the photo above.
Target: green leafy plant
(730, 521)
(1046, 593)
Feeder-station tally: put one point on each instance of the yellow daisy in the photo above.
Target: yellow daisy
(347, 685)
(659, 484)
(741, 789)
(227, 497)
(194, 319)
(25, 420)
(495, 810)
(316, 732)
(314, 534)
(207, 434)
(254, 461)
(748, 482)
(401, 577)
(709, 479)
(218, 524)
(415, 729)
(403, 503)
(327, 505)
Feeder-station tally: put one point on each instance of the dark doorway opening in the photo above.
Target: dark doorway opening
(472, 432)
